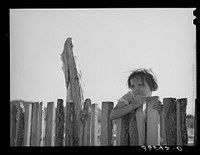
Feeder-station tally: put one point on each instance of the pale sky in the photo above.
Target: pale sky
(108, 44)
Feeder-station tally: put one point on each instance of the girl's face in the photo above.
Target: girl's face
(138, 88)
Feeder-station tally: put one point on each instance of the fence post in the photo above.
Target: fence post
(106, 124)
(94, 125)
(59, 123)
(195, 124)
(87, 120)
(72, 80)
(20, 126)
(53, 127)
(36, 124)
(17, 123)
(122, 135)
(69, 128)
(39, 133)
(44, 118)
(169, 129)
(140, 119)
(133, 136)
(49, 123)
(13, 126)
(152, 122)
(27, 106)
(182, 138)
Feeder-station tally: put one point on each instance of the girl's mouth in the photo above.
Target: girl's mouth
(137, 93)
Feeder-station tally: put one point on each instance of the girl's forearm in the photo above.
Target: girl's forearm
(119, 112)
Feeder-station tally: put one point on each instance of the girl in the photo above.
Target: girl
(142, 83)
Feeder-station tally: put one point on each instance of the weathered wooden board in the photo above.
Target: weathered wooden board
(195, 124)
(94, 125)
(44, 119)
(39, 128)
(13, 114)
(69, 119)
(140, 119)
(72, 79)
(53, 127)
(182, 138)
(133, 130)
(17, 123)
(49, 123)
(106, 124)
(28, 108)
(152, 121)
(87, 122)
(20, 125)
(35, 125)
(59, 133)
(122, 134)
(169, 125)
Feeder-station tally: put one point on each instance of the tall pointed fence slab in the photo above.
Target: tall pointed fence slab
(74, 131)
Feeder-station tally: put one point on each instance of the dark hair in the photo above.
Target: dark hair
(144, 74)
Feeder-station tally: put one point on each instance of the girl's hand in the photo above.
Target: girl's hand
(138, 101)
(158, 106)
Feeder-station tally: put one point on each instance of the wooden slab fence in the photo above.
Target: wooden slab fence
(29, 127)
(169, 128)
(174, 131)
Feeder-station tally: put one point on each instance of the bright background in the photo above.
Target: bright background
(108, 44)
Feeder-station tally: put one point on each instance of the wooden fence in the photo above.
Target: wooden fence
(32, 124)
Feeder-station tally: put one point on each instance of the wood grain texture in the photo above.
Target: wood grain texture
(127, 131)
(94, 125)
(17, 123)
(87, 120)
(27, 106)
(69, 128)
(169, 130)
(133, 130)
(106, 124)
(195, 124)
(72, 79)
(49, 123)
(122, 131)
(20, 125)
(140, 119)
(13, 122)
(59, 133)
(182, 137)
(152, 121)
(35, 125)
